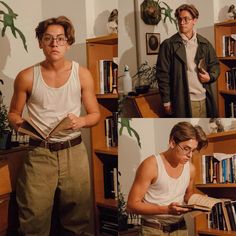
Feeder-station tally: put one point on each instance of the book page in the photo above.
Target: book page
(202, 65)
(31, 129)
(64, 124)
(202, 200)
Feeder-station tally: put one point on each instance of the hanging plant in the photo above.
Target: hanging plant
(8, 22)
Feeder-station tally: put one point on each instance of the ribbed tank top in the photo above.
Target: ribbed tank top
(47, 105)
(167, 190)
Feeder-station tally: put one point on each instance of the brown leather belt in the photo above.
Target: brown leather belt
(54, 147)
(165, 228)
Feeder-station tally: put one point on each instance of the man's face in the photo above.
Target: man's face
(184, 150)
(54, 42)
(186, 22)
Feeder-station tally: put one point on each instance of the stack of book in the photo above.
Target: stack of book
(108, 221)
(108, 70)
(111, 132)
(229, 45)
(219, 170)
(230, 78)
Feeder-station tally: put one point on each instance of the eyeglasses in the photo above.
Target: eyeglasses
(187, 150)
(48, 39)
(185, 20)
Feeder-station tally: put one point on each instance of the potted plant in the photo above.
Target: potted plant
(5, 131)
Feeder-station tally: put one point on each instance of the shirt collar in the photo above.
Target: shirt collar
(186, 40)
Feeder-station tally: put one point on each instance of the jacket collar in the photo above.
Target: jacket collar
(179, 48)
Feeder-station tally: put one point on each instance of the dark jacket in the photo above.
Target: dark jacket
(172, 74)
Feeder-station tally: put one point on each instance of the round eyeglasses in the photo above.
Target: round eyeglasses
(60, 39)
(187, 150)
(185, 20)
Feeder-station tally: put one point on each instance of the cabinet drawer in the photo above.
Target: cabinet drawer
(4, 205)
(5, 180)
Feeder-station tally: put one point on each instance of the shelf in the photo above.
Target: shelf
(109, 203)
(215, 232)
(107, 96)
(227, 23)
(226, 58)
(220, 135)
(228, 92)
(107, 150)
(228, 185)
(107, 39)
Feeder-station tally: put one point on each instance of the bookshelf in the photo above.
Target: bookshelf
(226, 93)
(223, 142)
(103, 157)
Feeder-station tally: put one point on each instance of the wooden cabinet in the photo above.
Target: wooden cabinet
(10, 163)
(223, 142)
(223, 45)
(102, 48)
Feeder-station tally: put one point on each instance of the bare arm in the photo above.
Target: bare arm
(89, 100)
(22, 89)
(145, 176)
(189, 190)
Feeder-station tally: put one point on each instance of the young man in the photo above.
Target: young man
(165, 181)
(51, 90)
(185, 90)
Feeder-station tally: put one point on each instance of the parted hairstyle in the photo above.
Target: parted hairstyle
(61, 20)
(184, 131)
(187, 7)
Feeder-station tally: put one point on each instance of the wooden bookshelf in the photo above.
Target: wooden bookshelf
(225, 95)
(223, 142)
(102, 48)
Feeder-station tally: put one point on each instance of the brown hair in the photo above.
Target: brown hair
(187, 7)
(184, 131)
(61, 20)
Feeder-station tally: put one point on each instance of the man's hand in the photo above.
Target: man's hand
(175, 209)
(168, 109)
(203, 76)
(76, 122)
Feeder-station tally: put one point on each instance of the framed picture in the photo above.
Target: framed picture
(152, 43)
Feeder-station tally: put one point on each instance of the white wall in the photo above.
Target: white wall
(130, 154)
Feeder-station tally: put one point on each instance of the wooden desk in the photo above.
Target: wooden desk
(10, 163)
(143, 106)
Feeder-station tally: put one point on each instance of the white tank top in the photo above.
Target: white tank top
(47, 105)
(166, 190)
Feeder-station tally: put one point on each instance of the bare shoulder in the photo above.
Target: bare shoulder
(25, 77)
(84, 73)
(192, 169)
(148, 167)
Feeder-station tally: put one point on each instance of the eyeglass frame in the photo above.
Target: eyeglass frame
(185, 19)
(185, 151)
(55, 38)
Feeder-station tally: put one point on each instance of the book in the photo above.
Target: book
(202, 65)
(201, 202)
(30, 128)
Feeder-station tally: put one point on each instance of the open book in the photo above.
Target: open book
(31, 129)
(201, 202)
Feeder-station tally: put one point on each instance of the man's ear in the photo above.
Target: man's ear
(172, 143)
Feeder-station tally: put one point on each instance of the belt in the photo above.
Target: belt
(165, 228)
(55, 146)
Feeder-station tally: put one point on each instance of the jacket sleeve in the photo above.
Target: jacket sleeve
(163, 71)
(213, 64)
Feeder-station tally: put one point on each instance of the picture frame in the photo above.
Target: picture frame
(152, 43)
